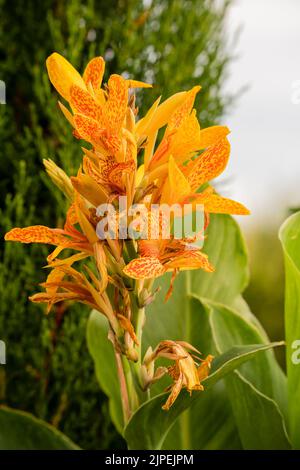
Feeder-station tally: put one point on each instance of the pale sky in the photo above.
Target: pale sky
(264, 171)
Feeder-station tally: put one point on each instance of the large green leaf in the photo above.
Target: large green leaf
(22, 431)
(180, 318)
(290, 239)
(149, 426)
(216, 328)
(260, 422)
(227, 251)
(228, 327)
(207, 424)
(258, 391)
(102, 353)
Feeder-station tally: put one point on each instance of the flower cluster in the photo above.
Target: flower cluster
(115, 276)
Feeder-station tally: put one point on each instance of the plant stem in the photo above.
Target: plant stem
(133, 397)
(139, 320)
(123, 388)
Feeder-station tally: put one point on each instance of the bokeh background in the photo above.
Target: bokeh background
(244, 54)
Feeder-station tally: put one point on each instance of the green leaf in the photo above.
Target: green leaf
(149, 426)
(102, 352)
(182, 317)
(227, 252)
(258, 389)
(208, 424)
(22, 431)
(290, 238)
(177, 320)
(260, 422)
(234, 357)
(229, 327)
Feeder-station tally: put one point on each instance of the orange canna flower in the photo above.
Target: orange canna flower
(125, 160)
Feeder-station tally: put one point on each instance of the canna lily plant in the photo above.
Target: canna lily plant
(124, 160)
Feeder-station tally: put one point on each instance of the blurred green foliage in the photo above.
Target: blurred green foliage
(265, 292)
(172, 43)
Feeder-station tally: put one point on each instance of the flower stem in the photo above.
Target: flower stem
(139, 320)
(123, 388)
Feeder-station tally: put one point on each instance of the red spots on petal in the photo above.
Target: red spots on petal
(94, 72)
(144, 268)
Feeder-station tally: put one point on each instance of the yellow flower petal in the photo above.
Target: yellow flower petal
(89, 189)
(63, 75)
(211, 135)
(87, 227)
(94, 72)
(176, 187)
(166, 110)
(190, 260)
(35, 234)
(137, 84)
(183, 110)
(116, 104)
(142, 125)
(66, 113)
(83, 103)
(139, 175)
(144, 268)
(187, 139)
(209, 164)
(220, 205)
(88, 128)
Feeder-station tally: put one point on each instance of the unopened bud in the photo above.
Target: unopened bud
(59, 178)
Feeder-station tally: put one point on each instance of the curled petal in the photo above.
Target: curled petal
(144, 268)
(127, 326)
(54, 278)
(71, 219)
(175, 390)
(204, 369)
